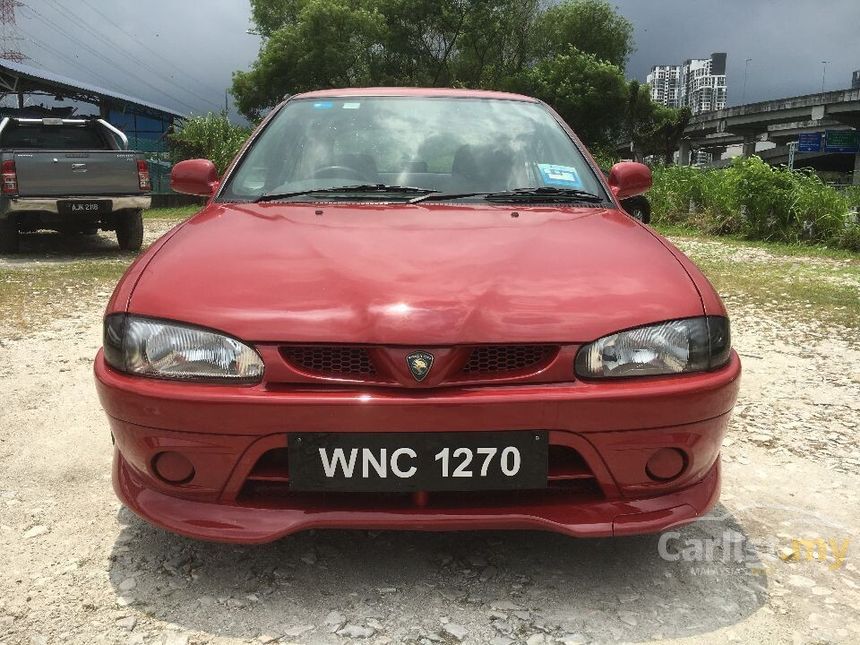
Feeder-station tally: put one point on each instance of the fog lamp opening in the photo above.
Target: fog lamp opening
(173, 467)
(666, 464)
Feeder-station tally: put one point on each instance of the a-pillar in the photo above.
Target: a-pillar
(684, 150)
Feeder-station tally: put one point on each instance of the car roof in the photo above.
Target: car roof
(447, 92)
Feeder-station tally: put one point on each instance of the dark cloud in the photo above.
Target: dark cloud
(198, 44)
(786, 39)
(176, 53)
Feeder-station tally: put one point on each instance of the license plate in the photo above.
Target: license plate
(80, 207)
(417, 461)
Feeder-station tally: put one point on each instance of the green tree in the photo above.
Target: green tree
(331, 43)
(639, 119)
(270, 15)
(666, 132)
(589, 93)
(210, 137)
(592, 26)
(497, 44)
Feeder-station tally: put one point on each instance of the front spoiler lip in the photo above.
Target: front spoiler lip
(220, 522)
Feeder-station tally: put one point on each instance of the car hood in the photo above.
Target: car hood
(417, 274)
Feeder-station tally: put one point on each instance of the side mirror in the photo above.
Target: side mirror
(194, 177)
(629, 178)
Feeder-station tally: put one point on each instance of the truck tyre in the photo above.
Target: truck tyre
(129, 230)
(8, 235)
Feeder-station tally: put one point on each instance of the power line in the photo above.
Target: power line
(137, 61)
(111, 63)
(64, 57)
(148, 48)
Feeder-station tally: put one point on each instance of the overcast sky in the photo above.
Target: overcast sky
(181, 53)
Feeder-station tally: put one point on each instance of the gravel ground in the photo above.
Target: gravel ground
(78, 568)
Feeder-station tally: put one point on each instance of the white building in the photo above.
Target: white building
(664, 83)
(703, 84)
(700, 84)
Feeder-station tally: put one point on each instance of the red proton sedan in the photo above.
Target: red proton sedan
(415, 309)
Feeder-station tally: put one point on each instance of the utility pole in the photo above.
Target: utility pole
(746, 74)
(824, 74)
(9, 37)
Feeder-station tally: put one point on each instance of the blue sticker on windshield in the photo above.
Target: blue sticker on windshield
(561, 176)
(324, 105)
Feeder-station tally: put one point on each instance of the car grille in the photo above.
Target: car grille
(499, 359)
(477, 363)
(333, 361)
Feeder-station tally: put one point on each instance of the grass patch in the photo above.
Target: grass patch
(178, 213)
(794, 280)
(33, 297)
(776, 248)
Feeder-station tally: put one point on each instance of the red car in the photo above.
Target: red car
(415, 309)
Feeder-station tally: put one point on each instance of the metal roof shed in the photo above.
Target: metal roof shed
(143, 122)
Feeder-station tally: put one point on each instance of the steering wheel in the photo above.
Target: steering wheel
(328, 172)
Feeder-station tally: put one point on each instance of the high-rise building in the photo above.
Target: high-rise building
(663, 81)
(700, 84)
(703, 84)
(855, 80)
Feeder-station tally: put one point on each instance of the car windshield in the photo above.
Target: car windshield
(448, 145)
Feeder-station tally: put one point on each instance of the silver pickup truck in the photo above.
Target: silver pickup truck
(71, 176)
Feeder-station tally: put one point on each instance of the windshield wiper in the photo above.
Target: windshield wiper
(537, 194)
(444, 196)
(373, 189)
(545, 194)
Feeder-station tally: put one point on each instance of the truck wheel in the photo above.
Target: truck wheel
(129, 230)
(638, 208)
(8, 235)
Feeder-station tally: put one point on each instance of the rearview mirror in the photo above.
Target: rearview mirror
(629, 178)
(194, 177)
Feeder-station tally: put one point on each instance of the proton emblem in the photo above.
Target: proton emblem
(419, 364)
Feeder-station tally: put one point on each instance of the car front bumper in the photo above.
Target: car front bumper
(225, 430)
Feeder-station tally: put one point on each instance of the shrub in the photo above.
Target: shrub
(852, 194)
(210, 137)
(673, 190)
(756, 200)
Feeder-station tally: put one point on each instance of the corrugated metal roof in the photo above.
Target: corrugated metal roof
(34, 73)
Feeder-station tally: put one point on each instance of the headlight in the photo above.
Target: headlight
(175, 351)
(674, 347)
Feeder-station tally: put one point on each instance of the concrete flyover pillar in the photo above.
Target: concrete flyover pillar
(684, 150)
(855, 178)
(749, 145)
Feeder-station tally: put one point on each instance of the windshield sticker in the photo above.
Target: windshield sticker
(351, 106)
(561, 176)
(323, 105)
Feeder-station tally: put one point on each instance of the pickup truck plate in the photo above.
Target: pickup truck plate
(84, 207)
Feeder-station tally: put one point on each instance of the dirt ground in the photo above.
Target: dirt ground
(78, 568)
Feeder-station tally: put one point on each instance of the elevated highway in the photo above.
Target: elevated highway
(779, 121)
